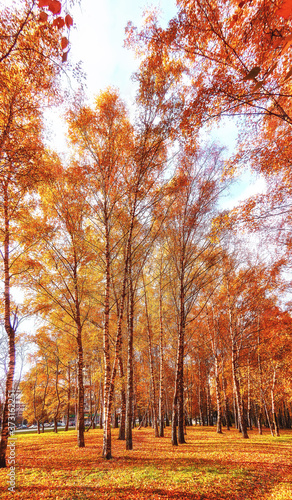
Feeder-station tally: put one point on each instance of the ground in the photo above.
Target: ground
(209, 466)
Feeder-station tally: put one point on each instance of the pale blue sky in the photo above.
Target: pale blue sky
(98, 36)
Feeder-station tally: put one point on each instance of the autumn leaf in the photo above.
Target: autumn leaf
(55, 6)
(253, 73)
(43, 17)
(68, 21)
(285, 10)
(59, 22)
(64, 56)
(64, 42)
(44, 3)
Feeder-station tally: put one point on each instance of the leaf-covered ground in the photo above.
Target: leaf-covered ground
(208, 466)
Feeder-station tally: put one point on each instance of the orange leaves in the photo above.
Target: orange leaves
(59, 22)
(44, 3)
(43, 17)
(210, 467)
(68, 21)
(285, 10)
(55, 7)
(64, 42)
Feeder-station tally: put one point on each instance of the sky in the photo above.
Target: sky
(97, 39)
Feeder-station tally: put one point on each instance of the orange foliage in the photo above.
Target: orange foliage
(209, 466)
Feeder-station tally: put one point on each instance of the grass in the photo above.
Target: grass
(209, 466)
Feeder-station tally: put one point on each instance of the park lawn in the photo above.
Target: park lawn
(208, 466)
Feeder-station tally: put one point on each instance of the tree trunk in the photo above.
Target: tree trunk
(209, 404)
(218, 398)
(180, 364)
(68, 399)
(80, 364)
(260, 405)
(161, 363)
(239, 402)
(249, 421)
(174, 441)
(122, 433)
(130, 380)
(274, 416)
(226, 404)
(10, 330)
(81, 428)
(200, 396)
(268, 421)
(58, 396)
(106, 452)
(101, 405)
(152, 377)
